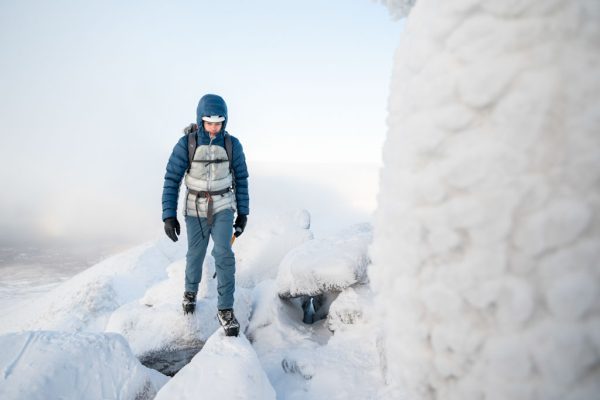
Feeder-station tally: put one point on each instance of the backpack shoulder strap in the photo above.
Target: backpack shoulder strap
(192, 144)
(229, 150)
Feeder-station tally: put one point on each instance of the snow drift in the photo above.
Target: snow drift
(485, 253)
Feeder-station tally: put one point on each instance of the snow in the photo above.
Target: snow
(226, 368)
(485, 244)
(309, 361)
(325, 265)
(258, 256)
(49, 364)
(159, 311)
(134, 300)
(86, 301)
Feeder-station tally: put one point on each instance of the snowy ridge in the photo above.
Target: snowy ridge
(485, 253)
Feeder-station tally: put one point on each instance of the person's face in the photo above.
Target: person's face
(212, 127)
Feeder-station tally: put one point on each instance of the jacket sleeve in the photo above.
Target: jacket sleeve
(176, 168)
(241, 178)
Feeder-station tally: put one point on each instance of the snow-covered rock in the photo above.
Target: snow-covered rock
(225, 368)
(486, 238)
(46, 364)
(326, 265)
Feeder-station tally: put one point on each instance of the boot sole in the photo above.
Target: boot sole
(232, 331)
(189, 309)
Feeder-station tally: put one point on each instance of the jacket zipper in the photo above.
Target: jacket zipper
(211, 156)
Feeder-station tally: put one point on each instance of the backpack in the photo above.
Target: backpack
(192, 145)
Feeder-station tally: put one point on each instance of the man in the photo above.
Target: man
(216, 188)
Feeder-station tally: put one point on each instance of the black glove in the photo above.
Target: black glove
(240, 224)
(172, 228)
(193, 127)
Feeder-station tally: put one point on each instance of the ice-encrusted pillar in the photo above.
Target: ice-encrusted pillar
(486, 252)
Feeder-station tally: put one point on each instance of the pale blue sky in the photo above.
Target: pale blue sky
(93, 94)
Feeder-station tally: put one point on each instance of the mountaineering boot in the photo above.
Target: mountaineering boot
(229, 323)
(189, 302)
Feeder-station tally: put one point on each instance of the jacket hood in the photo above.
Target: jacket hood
(211, 104)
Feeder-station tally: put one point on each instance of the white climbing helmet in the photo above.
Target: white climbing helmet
(213, 118)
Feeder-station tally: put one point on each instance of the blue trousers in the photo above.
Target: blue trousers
(221, 231)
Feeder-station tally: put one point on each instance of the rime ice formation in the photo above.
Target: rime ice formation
(487, 234)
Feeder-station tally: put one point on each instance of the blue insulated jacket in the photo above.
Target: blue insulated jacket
(179, 160)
